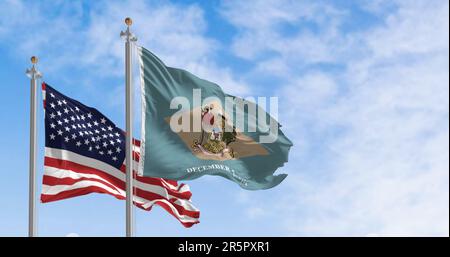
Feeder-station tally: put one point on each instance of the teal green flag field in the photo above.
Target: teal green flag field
(188, 131)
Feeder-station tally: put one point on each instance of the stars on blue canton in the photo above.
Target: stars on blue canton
(73, 126)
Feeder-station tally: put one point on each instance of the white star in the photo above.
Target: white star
(89, 125)
(78, 143)
(59, 132)
(52, 125)
(82, 117)
(66, 139)
(109, 152)
(109, 128)
(64, 101)
(114, 158)
(118, 141)
(67, 129)
(104, 136)
(96, 131)
(89, 115)
(103, 120)
(74, 127)
(59, 103)
(52, 95)
(97, 147)
(101, 152)
(72, 118)
(59, 122)
(95, 123)
(110, 135)
(118, 150)
(66, 120)
(117, 134)
(105, 144)
(74, 136)
(111, 142)
(103, 129)
(52, 105)
(52, 137)
(81, 133)
(90, 148)
(86, 142)
(97, 138)
(66, 110)
(59, 113)
(76, 108)
(52, 115)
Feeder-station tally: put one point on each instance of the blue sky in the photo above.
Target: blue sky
(364, 96)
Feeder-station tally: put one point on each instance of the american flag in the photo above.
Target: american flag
(85, 153)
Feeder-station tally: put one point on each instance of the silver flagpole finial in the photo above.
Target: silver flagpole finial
(127, 35)
(128, 21)
(34, 59)
(34, 75)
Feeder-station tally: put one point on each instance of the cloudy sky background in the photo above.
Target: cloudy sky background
(363, 89)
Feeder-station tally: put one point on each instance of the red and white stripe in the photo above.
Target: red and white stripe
(67, 174)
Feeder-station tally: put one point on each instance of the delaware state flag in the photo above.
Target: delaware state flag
(217, 147)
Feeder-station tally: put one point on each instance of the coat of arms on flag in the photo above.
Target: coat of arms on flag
(218, 139)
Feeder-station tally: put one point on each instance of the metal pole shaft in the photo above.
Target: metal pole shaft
(32, 229)
(129, 138)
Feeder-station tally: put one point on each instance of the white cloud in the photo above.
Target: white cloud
(28, 29)
(261, 30)
(372, 137)
(157, 27)
(311, 91)
(67, 36)
(255, 212)
(418, 27)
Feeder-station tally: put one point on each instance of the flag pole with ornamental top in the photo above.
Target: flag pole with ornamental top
(129, 39)
(34, 75)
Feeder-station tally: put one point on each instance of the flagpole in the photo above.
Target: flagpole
(34, 75)
(129, 39)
